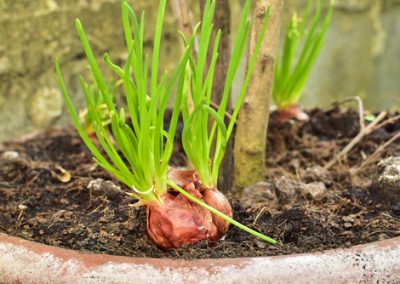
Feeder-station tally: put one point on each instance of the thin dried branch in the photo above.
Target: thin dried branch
(215, 106)
(360, 136)
(185, 21)
(184, 18)
(388, 121)
(364, 131)
(360, 108)
(372, 158)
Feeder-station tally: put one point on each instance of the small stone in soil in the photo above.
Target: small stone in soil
(348, 225)
(289, 190)
(106, 187)
(22, 207)
(387, 180)
(349, 218)
(263, 192)
(317, 173)
(315, 191)
(286, 189)
(10, 155)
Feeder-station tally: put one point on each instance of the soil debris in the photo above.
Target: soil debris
(301, 205)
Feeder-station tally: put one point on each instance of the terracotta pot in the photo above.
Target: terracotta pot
(28, 262)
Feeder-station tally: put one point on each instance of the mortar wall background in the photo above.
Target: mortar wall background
(361, 55)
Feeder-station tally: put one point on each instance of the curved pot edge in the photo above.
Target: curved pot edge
(24, 261)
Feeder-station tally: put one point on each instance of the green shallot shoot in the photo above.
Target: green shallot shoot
(87, 118)
(205, 144)
(206, 149)
(137, 148)
(145, 147)
(302, 46)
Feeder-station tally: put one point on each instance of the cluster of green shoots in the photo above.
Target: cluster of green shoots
(205, 149)
(138, 153)
(87, 118)
(303, 42)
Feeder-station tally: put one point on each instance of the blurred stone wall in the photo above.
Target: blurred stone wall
(34, 33)
(361, 55)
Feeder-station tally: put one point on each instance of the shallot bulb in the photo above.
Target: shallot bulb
(177, 221)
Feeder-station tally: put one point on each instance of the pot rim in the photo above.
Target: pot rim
(23, 261)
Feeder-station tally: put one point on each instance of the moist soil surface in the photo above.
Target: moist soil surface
(305, 207)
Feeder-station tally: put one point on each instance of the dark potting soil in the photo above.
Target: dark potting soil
(303, 206)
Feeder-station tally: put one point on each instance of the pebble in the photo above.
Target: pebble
(108, 188)
(288, 190)
(349, 218)
(387, 179)
(22, 207)
(261, 192)
(348, 225)
(317, 173)
(315, 191)
(10, 155)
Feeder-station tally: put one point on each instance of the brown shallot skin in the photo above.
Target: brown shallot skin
(178, 221)
(291, 112)
(217, 200)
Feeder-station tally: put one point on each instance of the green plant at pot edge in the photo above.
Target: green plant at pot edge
(140, 154)
(304, 40)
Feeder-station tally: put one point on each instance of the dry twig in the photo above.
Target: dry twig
(184, 17)
(372, 158)
(359, 104)
(364, 131)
